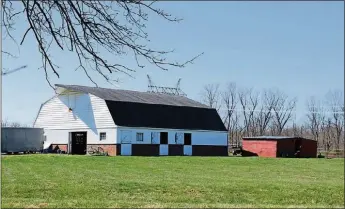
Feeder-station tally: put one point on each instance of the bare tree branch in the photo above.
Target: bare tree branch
(211, 96)
(89, 29)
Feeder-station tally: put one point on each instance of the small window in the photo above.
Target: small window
(140, 137)
(188, 139)
(102, 136)
(164, 138)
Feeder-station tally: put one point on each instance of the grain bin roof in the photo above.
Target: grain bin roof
(150, 110)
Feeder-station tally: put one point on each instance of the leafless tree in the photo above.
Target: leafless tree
(335, 100)
(249, 101)
(237, 130)
(229, 99)
(316, 117)
(283, 111)
(6, 123)
(90, 29)
(264, 117)
(211, 96)
(328, 134)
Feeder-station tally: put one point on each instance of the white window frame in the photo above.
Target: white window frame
(100, 136)
(138, 137)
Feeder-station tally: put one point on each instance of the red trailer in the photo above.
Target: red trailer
(279, 146)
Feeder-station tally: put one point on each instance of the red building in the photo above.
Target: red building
(279, 146)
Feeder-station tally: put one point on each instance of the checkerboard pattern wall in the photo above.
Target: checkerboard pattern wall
(163, 144)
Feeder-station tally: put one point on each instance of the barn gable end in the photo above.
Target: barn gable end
(88, 112)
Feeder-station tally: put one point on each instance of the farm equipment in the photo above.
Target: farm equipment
(236, 149)
(99, 151)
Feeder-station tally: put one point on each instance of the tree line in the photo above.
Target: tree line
(12, 124)
(251, 112)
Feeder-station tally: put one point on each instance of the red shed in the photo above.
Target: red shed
(279, 146)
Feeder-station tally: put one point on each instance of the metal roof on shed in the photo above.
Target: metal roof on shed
(273, 138)
(135, 96)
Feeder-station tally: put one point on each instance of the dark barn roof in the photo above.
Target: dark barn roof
(273, 138)
(144, 109)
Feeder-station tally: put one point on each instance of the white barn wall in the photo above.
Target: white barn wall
(101, 113)
(61, 136)
(88, 112)
(198, 137)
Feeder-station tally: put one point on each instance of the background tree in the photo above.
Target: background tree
(335, 102)
(90, 29)
(248, 113)
(211, 96)
(283, 111)
(248, 100)
(264, 117)
(7, 123)
(316, 117)
(229, 100)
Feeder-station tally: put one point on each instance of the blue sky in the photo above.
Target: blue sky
(295, 46)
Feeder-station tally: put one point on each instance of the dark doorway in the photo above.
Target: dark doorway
(78, 145)
(187, 139)
(298, 147)
(164, 138)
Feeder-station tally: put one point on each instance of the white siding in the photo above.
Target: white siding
(209, 138)
(61, 136)
(101, 113)
(88, 112)
(125, 136)
(198, 137)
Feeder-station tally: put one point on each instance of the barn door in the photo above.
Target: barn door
(79, 143)
(155, 138)
(179, 138)
(126, 137)
(126, 149)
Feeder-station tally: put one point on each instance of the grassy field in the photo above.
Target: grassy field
(84, 181)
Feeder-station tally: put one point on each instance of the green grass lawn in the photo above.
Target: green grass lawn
(84, 181)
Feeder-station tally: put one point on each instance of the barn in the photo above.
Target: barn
(123, 122)
(279, 146)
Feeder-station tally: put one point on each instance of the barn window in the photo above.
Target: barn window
(140, 137)
(102, 136)
(164, 138)
(188, 139)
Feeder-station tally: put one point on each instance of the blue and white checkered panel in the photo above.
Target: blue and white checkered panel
(163, 149)
(126, 149)
(187, 150)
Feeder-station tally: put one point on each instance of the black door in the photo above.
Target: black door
(298, 147)
(79, 143)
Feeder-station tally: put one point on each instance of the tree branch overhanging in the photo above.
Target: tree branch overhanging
(90, 28)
